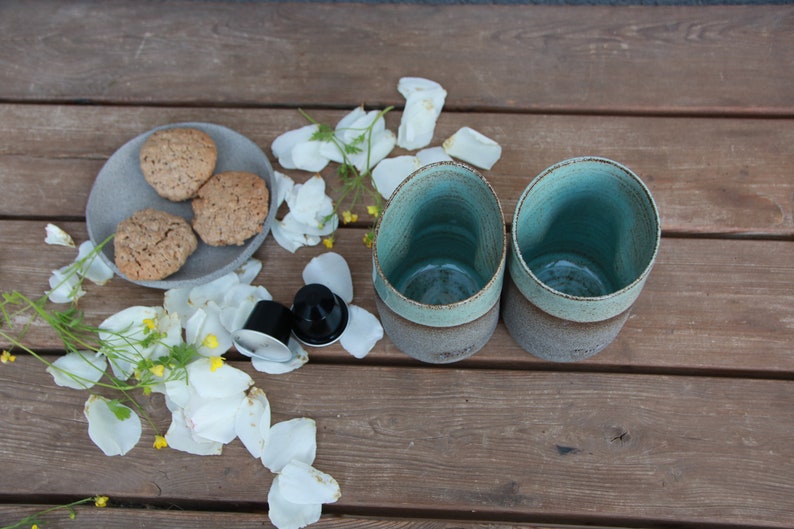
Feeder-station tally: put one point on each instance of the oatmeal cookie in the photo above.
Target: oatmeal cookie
(176, 162)
(230, 208)
(152, 244)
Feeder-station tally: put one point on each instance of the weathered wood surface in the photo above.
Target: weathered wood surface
(405, 441)
(709, 305)
(708, 176)
(685, 420)
(585, 59)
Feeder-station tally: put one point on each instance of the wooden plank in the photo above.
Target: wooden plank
(153, 518)
(708, 306)
(708, 176)
(476, 444)
(673, 59)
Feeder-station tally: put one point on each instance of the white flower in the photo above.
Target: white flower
(424, 100)
(287, 515)
(303, 484)
(65, 285)
(205, 330)
(78, 370)
(330, 269)
(211, 381)
(93, 268)
(108, 427)
(296, 150)
(122, 335)
(288, 440)
(311, 215)
(362, 333)
(283, 185)
(473, 147)
(57, 236)
(252, 422)
(180, 437)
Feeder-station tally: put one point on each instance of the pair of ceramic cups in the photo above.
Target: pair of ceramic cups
(584, 237)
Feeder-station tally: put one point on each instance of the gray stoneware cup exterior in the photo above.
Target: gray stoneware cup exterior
(584, 237)
(439, 257)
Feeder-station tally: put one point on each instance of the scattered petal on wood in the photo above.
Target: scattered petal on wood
(473, 147)
(288, 440)
(287, 515)
(362, 333)
(58, 237)
(303, 484)
(330, 269)
(78, 370)
(112, 435)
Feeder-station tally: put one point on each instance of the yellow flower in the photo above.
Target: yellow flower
(157, 370)
(101, 501)
(7, 357)
(374, 211)
(34, 526)
(149, 324)
(160, 442)
(368, 239)
(348, 217)
(210, 341)
(215, 362)
(328, 242)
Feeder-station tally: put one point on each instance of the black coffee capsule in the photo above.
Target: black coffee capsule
(266, 333)
(319, 317)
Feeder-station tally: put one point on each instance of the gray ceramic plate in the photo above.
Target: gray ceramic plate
(120, 190)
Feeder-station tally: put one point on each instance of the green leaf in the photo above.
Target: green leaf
(323, 133)
(121, 411)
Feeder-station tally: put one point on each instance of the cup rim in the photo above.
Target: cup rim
(492, 282)
(641, 277)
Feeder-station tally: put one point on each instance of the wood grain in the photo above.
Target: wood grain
(708, 176)
(583, 59)
(709, 305)
(482, 444)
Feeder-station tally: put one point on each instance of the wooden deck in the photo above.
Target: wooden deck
(686, 420)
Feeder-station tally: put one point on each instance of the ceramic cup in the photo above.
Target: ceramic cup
(438, 263)
(584, 237)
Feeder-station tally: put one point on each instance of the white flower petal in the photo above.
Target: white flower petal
(424, 100)
(283, 145)
(85, 368)
(291, 240)
(176, 301)
(213, 291)
(283, 185)
(308, 202)
(122, 334)
(330, 269)
(224, 381)
(288, 440)
(303, 484)
(57, 236)
(362, 333)
(112, 435)
(299, 357)
(433, 155)
(94, 269)
(390, 173)
(308, 156)
(252, 422)
(238, 304)
(213, 419)
(205, 330)
(473, 147)
(248, 271)
(382, 144)
(348, 120)
(287, 515)
(65, 286)
(179, 437)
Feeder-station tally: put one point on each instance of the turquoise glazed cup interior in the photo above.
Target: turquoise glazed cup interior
(584, 238)
(439, 257)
